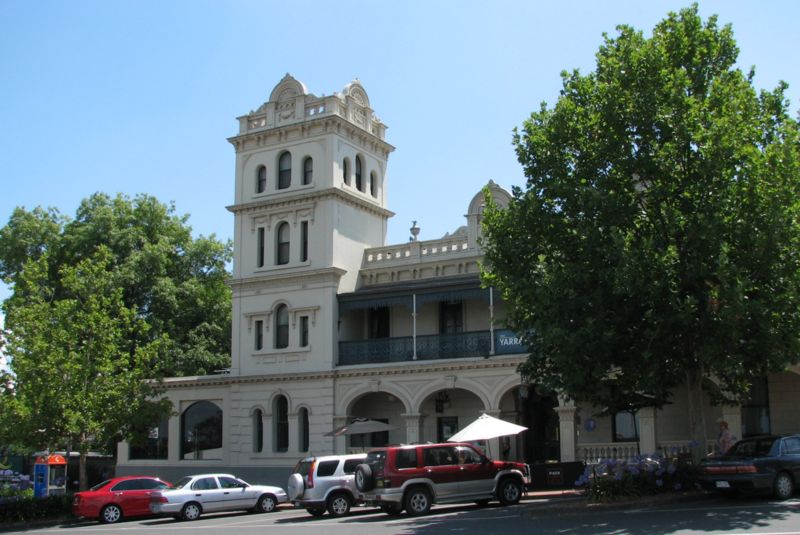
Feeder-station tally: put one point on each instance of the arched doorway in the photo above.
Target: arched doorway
(447, 411)
(383, 407)
(526, 405)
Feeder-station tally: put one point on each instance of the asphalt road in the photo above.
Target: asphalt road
(707, 515)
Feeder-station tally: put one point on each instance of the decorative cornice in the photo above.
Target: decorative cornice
(411, 368)
(311, 276)
(279, 134)
(286, 201)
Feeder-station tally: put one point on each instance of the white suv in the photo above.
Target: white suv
(325, 483)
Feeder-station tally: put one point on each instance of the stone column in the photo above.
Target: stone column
(340, 442)
(647, 430)
(566, 431)
(413, 421)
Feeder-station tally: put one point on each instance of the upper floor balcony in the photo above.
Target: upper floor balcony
(430, 347)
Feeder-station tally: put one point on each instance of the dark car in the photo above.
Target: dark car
(114, 499)
(760, 464)
(414, 477)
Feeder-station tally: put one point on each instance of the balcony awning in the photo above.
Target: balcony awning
(439, 293)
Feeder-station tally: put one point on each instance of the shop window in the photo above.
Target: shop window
(755, 411)
(201, 431)
(280, 415)
(371, 440)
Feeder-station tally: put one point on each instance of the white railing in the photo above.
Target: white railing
(620, 451)
(416, 250)
(672, 448)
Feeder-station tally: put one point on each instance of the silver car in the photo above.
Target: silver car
(326, 483)
(211, 493)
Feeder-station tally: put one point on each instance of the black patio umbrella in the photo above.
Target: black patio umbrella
(360, 426)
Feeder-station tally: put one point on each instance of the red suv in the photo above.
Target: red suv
(414, 477)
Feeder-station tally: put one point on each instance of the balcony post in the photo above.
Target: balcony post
(491, 321)
(414, 325)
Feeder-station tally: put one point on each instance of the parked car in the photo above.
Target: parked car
(325, 483)
(210, 493)
(117, 498)
(415, 477)
(767, 463)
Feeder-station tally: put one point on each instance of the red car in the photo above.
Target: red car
(114, 499)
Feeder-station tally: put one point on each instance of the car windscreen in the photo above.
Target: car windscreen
(101, 485)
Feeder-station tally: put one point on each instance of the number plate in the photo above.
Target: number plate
(723, 485)
(379, 483)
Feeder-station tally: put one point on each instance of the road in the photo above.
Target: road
(708, 516)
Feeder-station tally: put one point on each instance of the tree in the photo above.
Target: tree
(656, 241)
(175, 283)
(80, 373)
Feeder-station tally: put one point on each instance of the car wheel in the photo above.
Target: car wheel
(338, 505)
(783, 486)
(191, 511)
(110, 514)
(265, 504)
(391, 509)
(510, 491)
(313, 511)
(363, 477)
(418, 501)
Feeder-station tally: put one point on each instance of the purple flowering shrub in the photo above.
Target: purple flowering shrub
(13, 484)
(611, 479)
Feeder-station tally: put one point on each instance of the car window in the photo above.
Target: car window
(101, 485)
(467, 455)
(148, 484)
(229, 483)
(791, 446)
(350, 465)
(183, 482)
(128, 484)
(205, 483)
(440, 456)
(406, 458)
(327, 468)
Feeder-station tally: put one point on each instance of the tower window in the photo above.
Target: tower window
(285, 171)
(359, 181)
(258, 431)
(303, 331)
(304, 428)
(259, 335)
(304, 241)
(260, 248)
(282, 252)
(308, 170)
(346, 171)
(261, 179)
(373, 184)
(281, 327)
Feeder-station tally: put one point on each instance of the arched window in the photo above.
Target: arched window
(359, 181)
(346, 171)
(308, 170)
(280, 417)
(302, 416)
(373, 184)
(285, 171)
(201, 431)
(282, 244)
(281, 327)
(261, 179)
(258, 431)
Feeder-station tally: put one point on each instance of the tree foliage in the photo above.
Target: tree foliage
(80, 373)
(656, 241)
(175, 283)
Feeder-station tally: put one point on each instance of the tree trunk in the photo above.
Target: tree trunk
(82, 479)
(697, 415)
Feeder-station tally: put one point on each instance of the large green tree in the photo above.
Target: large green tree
(80, 377)
(175, 282)
(657, 240)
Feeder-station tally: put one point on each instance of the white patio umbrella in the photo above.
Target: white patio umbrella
(485, 428)
(360, 426)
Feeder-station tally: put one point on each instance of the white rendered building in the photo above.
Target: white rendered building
(330, 323)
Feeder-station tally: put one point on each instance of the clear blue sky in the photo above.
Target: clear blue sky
(140, 96)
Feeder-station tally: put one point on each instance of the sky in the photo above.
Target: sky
(140, 96)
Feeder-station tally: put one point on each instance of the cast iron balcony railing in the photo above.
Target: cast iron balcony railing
(429, 347)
